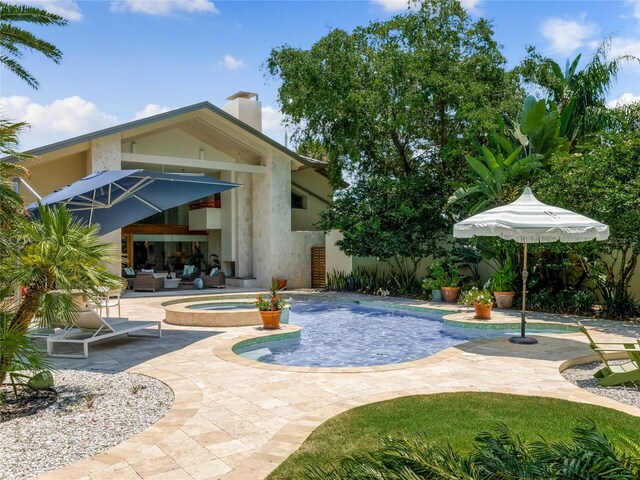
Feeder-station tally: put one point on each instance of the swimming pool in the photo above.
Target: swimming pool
(351, 335)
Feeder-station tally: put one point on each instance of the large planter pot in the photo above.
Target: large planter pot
(436, 296)
(483, 312)
(504, 299)
(450, 294)
(271, 319)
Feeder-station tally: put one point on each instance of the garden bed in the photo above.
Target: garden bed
(89, 412)
(582, 376)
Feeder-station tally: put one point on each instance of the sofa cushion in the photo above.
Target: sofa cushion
(188, 269)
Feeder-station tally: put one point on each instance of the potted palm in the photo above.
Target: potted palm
(503, 284)
(481, 301)
(270, 306)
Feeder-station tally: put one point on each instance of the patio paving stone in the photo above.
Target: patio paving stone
(235, 419)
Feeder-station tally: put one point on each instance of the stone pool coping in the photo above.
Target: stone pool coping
(233, 421)
(182, 312)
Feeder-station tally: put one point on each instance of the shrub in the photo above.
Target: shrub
(498, 454)
(567, 301)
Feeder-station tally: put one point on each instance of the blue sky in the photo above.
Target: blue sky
(132, 58)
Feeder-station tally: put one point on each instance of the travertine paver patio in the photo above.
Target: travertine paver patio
(236, 419)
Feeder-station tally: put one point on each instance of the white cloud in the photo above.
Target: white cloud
(635, 6)
(150, 110)
(624, 99)
(59, 120)
(392, 5)
(566, 36)
(472, 6)
(272, 123)
(403, 5)
(68, 9)
(624, 46)
(231, 63)
(163, 7)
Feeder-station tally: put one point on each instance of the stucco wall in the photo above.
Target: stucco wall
(175, 143)
(309, 181)
(49, 176)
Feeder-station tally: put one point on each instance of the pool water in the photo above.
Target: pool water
(351, 335)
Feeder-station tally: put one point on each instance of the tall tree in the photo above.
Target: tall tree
(601, 179)
(14, 40)
(398, 221)
(393, 96)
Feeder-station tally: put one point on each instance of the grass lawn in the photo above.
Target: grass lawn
(453, 417)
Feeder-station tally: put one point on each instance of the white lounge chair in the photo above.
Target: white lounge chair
(89, 327)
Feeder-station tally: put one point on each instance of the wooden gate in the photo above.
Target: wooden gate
(318, 267)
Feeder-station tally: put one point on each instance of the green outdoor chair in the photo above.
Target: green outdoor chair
(610, 375)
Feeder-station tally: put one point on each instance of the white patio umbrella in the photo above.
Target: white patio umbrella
(528, 220)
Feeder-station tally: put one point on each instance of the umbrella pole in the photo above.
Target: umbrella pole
(522, 339)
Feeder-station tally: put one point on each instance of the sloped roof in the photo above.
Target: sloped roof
(310, 162)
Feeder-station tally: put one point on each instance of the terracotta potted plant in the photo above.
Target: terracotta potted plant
(445, 274)
(503, 284)
(481, 301)
(270, 306)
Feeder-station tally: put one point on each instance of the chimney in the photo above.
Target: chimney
(243, 106)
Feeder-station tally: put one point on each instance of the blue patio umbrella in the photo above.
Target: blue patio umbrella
(116, 198)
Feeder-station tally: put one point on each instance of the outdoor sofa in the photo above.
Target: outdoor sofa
(149, 281)
(189, 273)
(214, 281)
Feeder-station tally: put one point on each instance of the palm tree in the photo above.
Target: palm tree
(578, 95)
(13, 39)
(55, 254)
(11, 205)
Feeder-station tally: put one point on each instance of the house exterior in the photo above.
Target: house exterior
(261, 229)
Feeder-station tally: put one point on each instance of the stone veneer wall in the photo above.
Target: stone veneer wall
(296, 263)
(106, 154)
(277, 250)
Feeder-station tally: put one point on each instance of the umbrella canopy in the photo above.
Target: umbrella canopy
(528, 220)
(115, 198)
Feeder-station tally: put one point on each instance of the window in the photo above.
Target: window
(298, 201)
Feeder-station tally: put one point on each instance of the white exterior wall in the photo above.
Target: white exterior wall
(336, 259)
(175, 143)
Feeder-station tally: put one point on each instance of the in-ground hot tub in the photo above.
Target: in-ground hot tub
(227, 312)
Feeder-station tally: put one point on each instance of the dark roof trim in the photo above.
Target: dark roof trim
(310, 162)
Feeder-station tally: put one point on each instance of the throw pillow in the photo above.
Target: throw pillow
(188, 269)
(129, 271)
(147, 270)
(214, 272)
